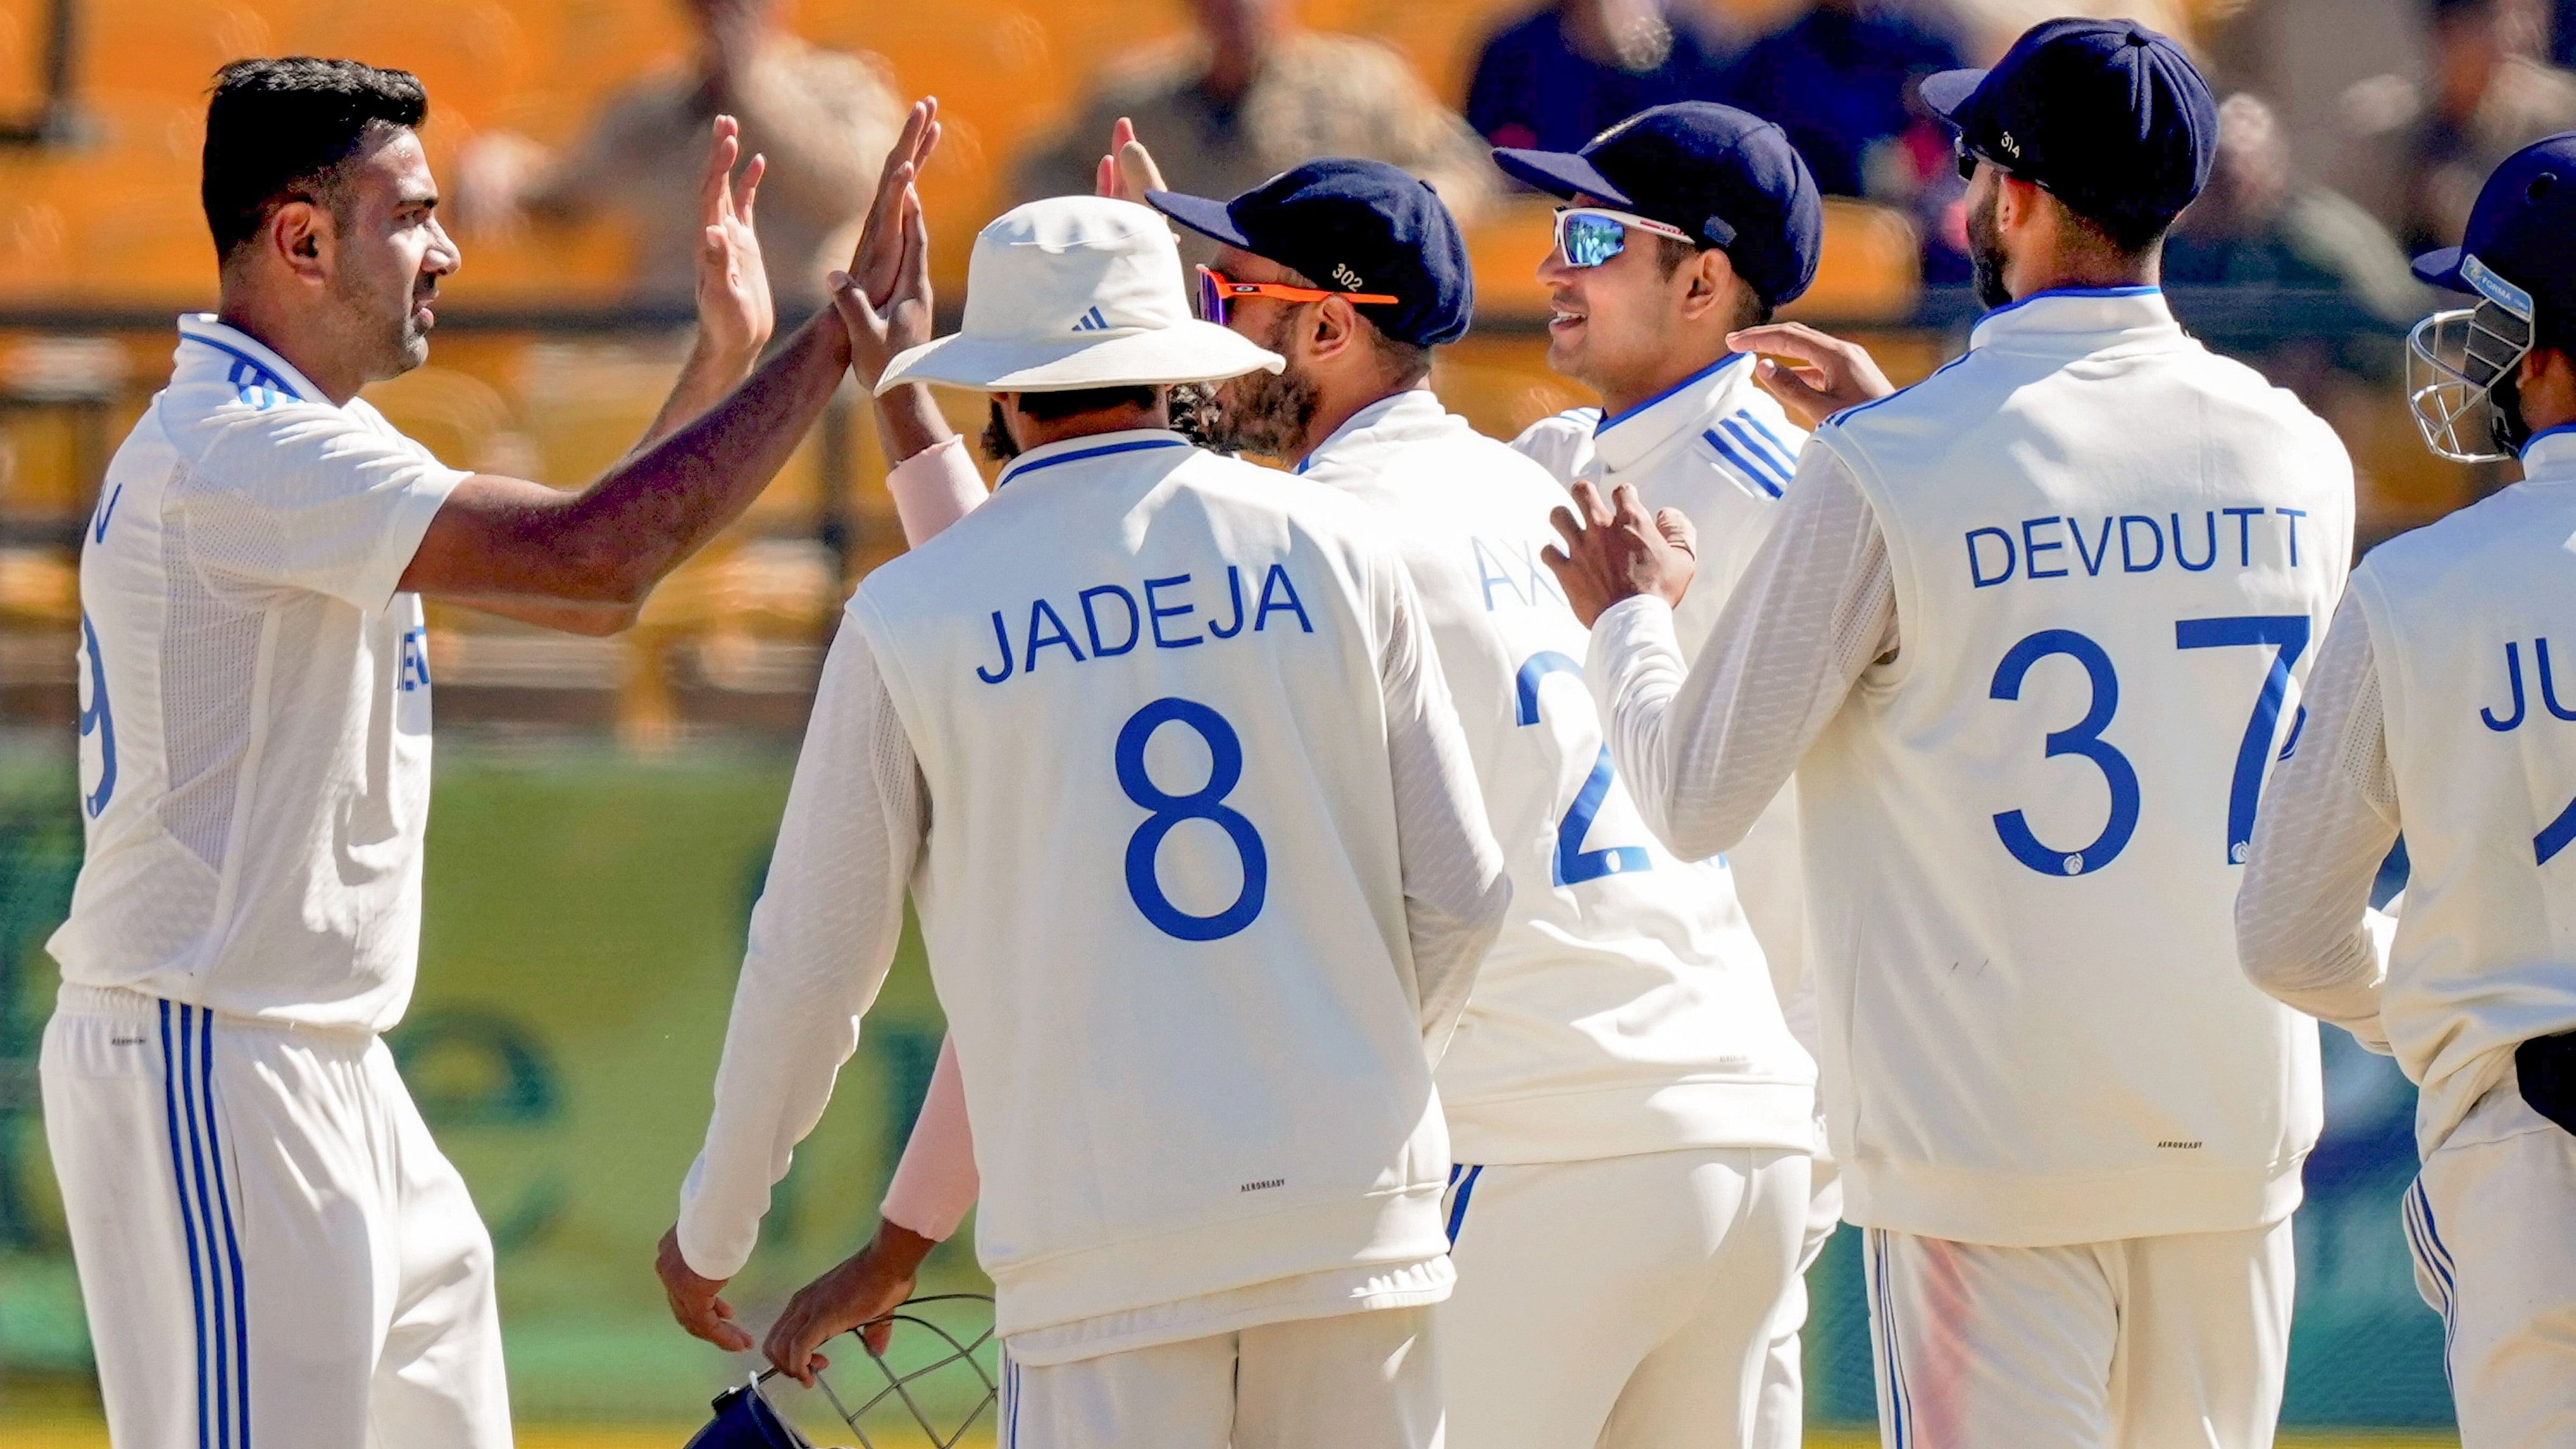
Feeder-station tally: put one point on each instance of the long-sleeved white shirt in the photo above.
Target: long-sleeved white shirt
(2019, 863)
(854, 836)
(2303, 928)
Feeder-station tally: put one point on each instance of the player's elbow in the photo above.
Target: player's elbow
(603, 623)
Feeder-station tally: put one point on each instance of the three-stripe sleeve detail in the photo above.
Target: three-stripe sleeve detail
(1462, 1186)
(1763, 460)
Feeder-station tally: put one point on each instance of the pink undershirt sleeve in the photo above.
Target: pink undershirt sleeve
(935, 1183)
(934, 488)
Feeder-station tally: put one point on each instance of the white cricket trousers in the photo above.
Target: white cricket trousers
(1780, 1414)
(272, 1250)
(2176, 1342)
(2492, 1220)
(1626, 1302)
(1351, 1381)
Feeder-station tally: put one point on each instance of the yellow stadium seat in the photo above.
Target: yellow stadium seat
(1870, 268)
(169, 46)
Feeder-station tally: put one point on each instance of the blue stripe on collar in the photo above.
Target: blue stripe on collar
(2020, 302)
(2529, 443)
(1609, 421)
(1017, 470)
(262, 368)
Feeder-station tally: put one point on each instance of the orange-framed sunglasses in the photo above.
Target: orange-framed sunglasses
(1217, 291)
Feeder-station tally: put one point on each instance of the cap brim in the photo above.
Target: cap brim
(1190, 351)
(1559, 173)
(1200, 214)
(1946, 91)
(2441, 268)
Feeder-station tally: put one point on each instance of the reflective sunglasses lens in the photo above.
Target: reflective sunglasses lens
(1967, 158)
(1210, 298)
(1589, 240)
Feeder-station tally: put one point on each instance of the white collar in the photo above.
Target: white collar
(2551, 453)
(1627, 439)
(1089, 445)
(248, 363)
(1402, 417)
(2086, 317)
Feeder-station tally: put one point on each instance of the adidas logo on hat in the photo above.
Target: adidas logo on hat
(1091, 321)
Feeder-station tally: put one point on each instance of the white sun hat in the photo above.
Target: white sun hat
(1077, 292)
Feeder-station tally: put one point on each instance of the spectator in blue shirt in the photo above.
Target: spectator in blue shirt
(1840, 81)
(1573, 70)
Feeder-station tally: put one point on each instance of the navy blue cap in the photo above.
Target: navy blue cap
(2523, 229)
(1351, 226)
(2112, 118)
(1727, 177)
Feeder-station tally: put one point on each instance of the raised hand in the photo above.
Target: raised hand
(884, 298)
(735, 315)
(1613, 553)
(1823, 374)
(1128, 170)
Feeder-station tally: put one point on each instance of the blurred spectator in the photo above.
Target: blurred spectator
(823, 118)
(2255, 225)
(1253, 95)
(1840, 81)
(2420, 152)
(1987, 28)
(1560, 77)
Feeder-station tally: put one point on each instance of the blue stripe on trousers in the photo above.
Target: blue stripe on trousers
(232, 1242)
(171, 1076)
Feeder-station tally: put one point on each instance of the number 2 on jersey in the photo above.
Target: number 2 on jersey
(2287, 634)
(1166, 810)
(1574, 864)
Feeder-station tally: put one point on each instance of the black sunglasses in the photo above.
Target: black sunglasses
(1968, 157)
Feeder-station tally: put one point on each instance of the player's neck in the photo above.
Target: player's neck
(1036, 433)
(1335, 407)
(1623, 395)
(2086, 272)
(294, 337)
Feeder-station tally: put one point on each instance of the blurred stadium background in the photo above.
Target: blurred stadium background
(604, 807)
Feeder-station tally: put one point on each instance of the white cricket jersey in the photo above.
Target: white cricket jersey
(1160, 745)
(1720, 449)
(1714, 445)
(2030, 661)
(254, 699)
(2479, 708)
(1625, 1008)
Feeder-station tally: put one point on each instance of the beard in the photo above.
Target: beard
(1986, 252)
(997, 438)
(1261, 412)
(392, 339)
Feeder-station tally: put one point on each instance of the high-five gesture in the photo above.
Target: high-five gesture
(1128, 170)
(884, 298)
(734, 312)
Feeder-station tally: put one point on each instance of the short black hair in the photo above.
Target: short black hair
(278, 129)
(1671, 252)
(1048, 407)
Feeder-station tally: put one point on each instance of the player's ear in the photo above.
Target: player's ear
(1335, 327)
(302, 236)
(1709, 274)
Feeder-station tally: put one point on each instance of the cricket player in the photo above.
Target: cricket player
(1686, 226)
(2433, 708)
(271, 1248)
(1630, 1114)
(1158, 742)
(2029, 659)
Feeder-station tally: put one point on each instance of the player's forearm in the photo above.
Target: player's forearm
(704, 380)
(1705, 751)
(822, 939)
(910, 424)
(2328, 819)
(631, 528)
